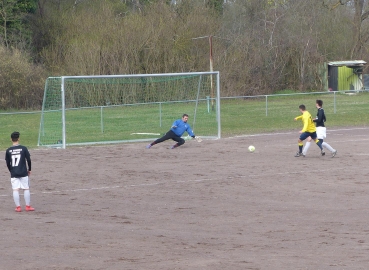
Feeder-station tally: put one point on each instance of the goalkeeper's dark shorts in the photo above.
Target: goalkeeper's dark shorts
(170, 135)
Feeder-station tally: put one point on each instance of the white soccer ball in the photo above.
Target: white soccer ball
(251, 148)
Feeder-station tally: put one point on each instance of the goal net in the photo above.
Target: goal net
(79, 110)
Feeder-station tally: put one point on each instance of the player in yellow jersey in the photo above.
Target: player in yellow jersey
(308, 130)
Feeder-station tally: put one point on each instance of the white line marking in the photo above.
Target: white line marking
(331, 141)
(285, 133)
(352, 168)
(213, 179)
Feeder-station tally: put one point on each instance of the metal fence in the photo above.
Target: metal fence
(250, 113)
(333, 97)
(332, 94)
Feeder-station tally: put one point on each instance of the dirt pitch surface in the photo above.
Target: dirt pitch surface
(209, 205)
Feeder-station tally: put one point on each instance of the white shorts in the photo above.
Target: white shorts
(20, 183)
(321, 133)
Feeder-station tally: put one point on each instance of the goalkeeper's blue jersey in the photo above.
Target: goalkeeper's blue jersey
(181, 127)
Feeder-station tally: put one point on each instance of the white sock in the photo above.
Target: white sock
(16, 197)
(27, 196)
(306, 148)
(326, 145)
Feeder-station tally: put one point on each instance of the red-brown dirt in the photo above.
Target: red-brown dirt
(209, 205)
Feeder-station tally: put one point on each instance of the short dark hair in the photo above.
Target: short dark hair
(15, 136)
(185, 114)
(302, 107)
(319, 102)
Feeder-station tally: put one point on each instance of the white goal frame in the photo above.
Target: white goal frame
(215, 97)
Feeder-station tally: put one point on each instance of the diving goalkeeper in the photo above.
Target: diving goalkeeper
(176, 131)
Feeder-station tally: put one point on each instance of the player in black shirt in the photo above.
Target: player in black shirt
(320, 115)
(17, 159)
(321, 130)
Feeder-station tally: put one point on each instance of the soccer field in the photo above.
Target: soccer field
(210, 205)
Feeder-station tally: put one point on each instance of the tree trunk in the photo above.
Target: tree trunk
(356, 51)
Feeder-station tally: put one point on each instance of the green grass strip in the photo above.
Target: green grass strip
(238, 117)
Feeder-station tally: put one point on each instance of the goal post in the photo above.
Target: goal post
(82, 110)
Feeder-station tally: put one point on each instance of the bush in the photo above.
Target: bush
(21, 82)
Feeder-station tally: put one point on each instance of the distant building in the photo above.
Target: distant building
(366, 81)
(345, 75)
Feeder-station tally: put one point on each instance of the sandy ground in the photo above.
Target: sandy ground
(209, 205)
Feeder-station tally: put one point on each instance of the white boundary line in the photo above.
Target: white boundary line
(213, 179)
(286, 133)
(340, 141)
(187, 181)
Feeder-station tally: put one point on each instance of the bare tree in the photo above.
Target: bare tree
(360, 11)
(7, 15)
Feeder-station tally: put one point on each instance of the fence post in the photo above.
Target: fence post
(266, 105)
(160, 114)
(208, 103)
(102, 120)
(334, 102)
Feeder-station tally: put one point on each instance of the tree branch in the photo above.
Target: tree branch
(339, 3)
(365, 15)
